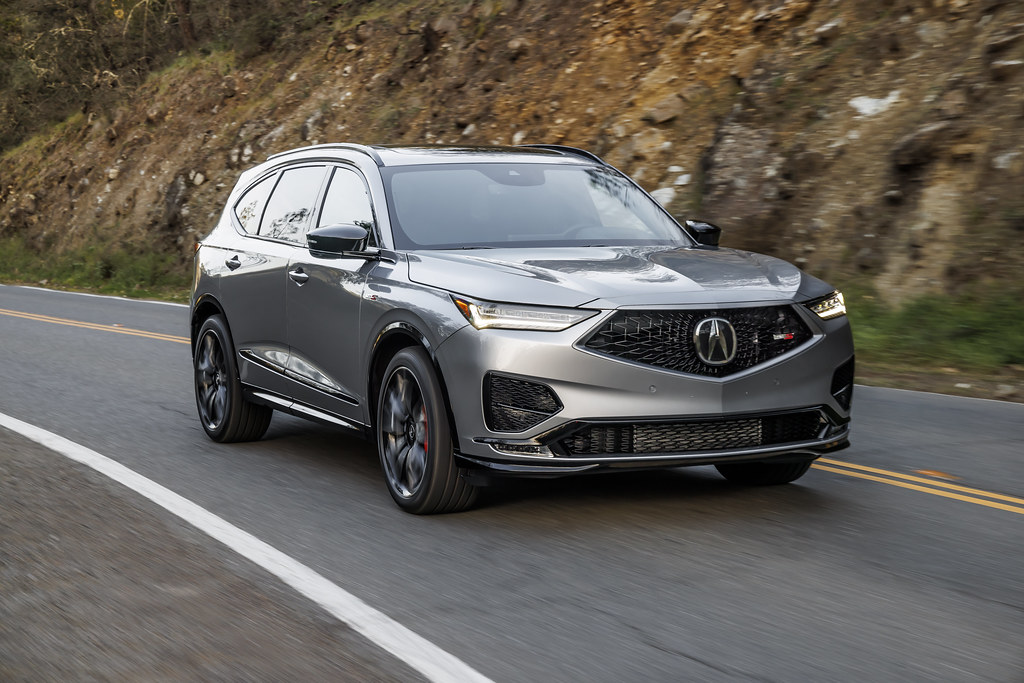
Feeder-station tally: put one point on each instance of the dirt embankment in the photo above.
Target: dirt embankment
(877, 141)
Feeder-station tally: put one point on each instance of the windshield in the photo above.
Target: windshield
(467, 206)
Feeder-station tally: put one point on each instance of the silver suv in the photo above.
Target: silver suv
(485, 311)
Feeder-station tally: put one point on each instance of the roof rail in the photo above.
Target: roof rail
(369, 151)
(575, 151)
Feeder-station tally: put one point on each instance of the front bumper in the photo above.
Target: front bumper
(618, 414)
(673, 442)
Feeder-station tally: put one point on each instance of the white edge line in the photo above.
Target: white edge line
(98, 296)
(416, 651)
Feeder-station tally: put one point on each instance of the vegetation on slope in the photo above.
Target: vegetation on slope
(874, 142)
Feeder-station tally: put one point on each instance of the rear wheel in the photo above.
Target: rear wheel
(414, 439)
(763, 473)
(225, 413)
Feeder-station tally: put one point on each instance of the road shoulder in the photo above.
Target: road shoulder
(97, 583)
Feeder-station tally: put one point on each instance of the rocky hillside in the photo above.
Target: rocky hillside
(874, 142)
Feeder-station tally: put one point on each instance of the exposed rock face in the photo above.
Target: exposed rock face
(867, 139)
(741, 176)
(921, 146)
(665, 110)
(174, 202)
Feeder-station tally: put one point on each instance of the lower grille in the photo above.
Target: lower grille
(694, 436)
(514, 405)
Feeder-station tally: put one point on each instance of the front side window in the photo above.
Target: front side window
(249, 208)
(446, 206)
(347, 202)
(288, 211)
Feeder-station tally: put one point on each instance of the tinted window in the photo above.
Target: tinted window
(249, 208)
(522, 205)
(289, 208)
(347, 202)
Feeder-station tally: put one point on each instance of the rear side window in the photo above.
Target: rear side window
(291, 204)
(249, 208)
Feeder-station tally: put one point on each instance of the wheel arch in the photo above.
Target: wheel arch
(392, 339)
(205, 307)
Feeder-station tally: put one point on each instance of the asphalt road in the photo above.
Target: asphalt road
(899, 559)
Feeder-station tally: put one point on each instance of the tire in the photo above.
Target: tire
(224, 412)
(764, 473)
(414, 439)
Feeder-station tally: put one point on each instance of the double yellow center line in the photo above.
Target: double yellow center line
(907, 481)
(94, 326)
(966, 494)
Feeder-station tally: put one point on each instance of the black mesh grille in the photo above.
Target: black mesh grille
(664, 339)
(842, 384)
(693, 436)
(514, 404)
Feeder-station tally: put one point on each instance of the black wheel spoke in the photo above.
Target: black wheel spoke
(209, 391)
(421, 426)
(401, 459)
(391, 448)
(204, 366)
(415, 466)
(220, 399)
(404, 391)
(204, 363)
(394, 416)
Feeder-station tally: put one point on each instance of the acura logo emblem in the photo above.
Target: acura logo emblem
(715, 341)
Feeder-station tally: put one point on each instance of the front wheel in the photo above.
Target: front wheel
(225, 413)
(414, 440)
(763, 473)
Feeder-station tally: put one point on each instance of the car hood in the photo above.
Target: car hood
(613, 277)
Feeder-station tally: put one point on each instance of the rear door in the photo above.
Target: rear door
(271, 216)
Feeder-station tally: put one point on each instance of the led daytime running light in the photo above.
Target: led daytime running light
(832, 306)
(486, 314)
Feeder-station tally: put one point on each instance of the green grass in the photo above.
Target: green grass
(104, 269)
(980, 331)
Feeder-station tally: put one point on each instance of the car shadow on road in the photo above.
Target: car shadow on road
(668, 493)
(650, 487)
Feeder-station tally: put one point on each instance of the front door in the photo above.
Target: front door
(323, 303)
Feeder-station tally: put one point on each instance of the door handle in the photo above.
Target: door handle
(233, 262)
(298, 276)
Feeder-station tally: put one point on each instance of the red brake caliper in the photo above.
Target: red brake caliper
(426, 443)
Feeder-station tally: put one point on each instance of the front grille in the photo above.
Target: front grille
(664, 339)
(694, 435)
(514, 405)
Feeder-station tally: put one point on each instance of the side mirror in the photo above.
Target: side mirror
(337, 239)
(705, 233)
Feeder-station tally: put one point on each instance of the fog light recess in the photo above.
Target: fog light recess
(515, 405)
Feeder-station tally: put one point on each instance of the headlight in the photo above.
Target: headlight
(831, 306)
(483, 314)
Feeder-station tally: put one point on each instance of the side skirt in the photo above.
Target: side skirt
(302, 410)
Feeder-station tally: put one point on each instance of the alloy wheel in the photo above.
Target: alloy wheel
(404, 432)
(212, 381)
